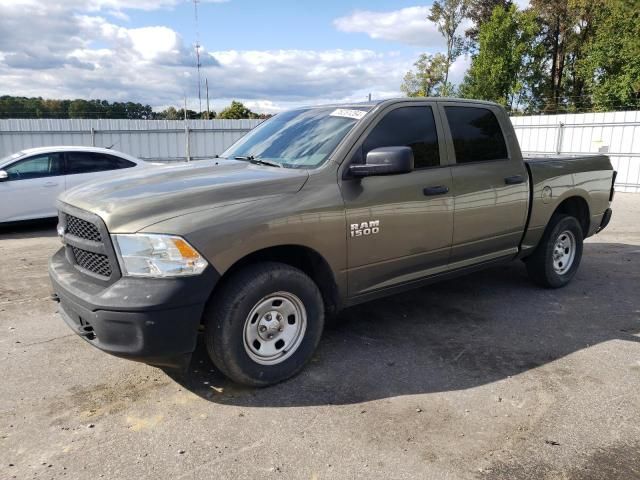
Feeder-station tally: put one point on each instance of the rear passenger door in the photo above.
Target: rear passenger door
(82, 167)
(399, 226)
(490, 184)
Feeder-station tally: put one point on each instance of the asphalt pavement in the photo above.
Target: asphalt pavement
(482, 377)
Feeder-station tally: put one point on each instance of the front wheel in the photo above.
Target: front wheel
(265, 324)
(557, 258)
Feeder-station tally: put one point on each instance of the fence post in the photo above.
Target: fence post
(93, 137)
(187, 141)
(560, 134)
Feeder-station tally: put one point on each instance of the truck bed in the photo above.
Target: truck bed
(554, 178)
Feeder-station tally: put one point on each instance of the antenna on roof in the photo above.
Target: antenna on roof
(197, 48)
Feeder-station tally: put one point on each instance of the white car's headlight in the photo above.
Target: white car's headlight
(155, 255)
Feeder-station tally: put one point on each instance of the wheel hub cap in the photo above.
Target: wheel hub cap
(274, 328)
(564, 252)
(270, 325)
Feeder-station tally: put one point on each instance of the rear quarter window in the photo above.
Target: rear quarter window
(88, 162)
(476, 134)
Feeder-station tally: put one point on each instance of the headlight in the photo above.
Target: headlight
(154, 255)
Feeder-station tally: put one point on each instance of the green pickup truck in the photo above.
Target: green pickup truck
(314, 210)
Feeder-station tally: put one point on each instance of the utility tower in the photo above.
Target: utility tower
(197, 48)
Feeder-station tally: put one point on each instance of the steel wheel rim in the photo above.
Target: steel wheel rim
(274, 328)
(564, 252)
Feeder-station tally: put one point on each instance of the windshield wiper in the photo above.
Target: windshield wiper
(258, 161)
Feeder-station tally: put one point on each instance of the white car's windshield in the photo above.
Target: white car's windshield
(302, 138)
(11, 157)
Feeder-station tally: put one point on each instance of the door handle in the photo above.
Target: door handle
(438, 190)
(514, 180)
(50, 184)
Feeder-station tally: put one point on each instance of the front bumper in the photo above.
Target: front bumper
(150, 320)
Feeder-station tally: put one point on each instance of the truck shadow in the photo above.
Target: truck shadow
(454, 335)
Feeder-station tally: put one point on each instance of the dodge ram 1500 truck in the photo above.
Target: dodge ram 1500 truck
(314, 210)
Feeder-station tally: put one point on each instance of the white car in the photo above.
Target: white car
(30, 180)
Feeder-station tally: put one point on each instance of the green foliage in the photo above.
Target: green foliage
(555, 56)
(448, 15)
(237, 110)
(500, 70)
(610, 67)
(479, 13)
(427, 79)
(23, 107)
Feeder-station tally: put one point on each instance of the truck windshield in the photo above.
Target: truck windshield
(301, 138)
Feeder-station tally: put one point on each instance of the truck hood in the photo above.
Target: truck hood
(129, 202)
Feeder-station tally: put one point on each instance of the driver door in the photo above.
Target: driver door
(400, 227)
(31, 188)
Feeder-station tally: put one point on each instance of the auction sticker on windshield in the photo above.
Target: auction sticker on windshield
(345, 112)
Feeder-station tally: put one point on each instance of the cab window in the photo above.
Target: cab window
(476, 134)
(89, 162)
(39, 166)
(412, 127)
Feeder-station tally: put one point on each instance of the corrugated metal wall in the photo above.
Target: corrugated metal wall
(148, 139)
(616, 134)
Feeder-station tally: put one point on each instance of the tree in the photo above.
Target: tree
(580, 35)
(610, 66)
(428, 78)
(236, 110)
(479, 13)
(80, 109)
(558, 19)
(447, 15)
(500, 70)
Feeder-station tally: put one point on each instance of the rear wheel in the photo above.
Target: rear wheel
(265, 324)
(557, 258)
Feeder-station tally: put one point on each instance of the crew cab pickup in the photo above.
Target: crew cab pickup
(314, 210)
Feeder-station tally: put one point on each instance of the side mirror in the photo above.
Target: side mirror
(3, 176)
(385, 161)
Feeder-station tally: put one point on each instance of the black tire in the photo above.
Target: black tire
(540, 265)
(228, 311)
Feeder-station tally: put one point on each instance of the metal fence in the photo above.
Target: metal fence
(616, 134)
(147, 139)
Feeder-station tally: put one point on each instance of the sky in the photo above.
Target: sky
(271, 55)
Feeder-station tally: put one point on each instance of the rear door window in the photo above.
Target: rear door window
(89, 162)
(412, 127)
(39, 166)
(476, 134)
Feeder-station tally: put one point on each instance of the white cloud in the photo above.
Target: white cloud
(459, 68)
(407, 25)
(99, 5)
(82, 54)
(300, 75)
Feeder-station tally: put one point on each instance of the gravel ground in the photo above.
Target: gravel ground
(486, 376)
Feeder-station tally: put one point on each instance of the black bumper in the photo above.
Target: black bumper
(154, 321)
(606, 218)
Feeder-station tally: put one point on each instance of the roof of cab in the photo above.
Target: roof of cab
(389, 101)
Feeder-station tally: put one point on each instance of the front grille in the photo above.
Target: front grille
(83, 229)
(93, 262)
